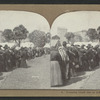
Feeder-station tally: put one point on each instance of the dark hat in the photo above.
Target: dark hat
(97, 46)
(89, 46)
(6, 46)
(0, 45)
(22, 48)
(64, 42)
(82, 45)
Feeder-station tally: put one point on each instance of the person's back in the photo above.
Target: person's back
(54, 56)
(56, 72)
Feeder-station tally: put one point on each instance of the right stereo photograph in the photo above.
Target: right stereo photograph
(75, 51)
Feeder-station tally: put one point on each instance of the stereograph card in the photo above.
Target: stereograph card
(49, 50)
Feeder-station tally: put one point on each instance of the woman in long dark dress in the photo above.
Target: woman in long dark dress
(55, 68)
(23, 58)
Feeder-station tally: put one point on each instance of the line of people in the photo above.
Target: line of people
(67, 60)
(11, 58)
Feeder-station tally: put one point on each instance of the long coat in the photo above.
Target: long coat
(23, 58)
(55, 69)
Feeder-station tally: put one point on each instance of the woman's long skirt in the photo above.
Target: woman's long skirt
(23, 63)
(56, 77)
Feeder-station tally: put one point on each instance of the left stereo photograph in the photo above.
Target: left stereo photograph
(24, 50)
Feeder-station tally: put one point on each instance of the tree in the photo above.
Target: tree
(98, 32)
(20, 33)
(92, 34)
(8, 34)
(78, 38)
(48, 37)
(56, 37)
(38, 38)
(98, 28)
(69, 36)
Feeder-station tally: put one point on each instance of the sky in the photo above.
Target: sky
(32, 21)
(76, 21)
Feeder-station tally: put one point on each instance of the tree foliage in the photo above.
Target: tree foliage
(98, 33)
(20, 32)
(38, 38)
(78, 38)
(69, 36)
(48, 37)
(92, 34)
(98, 29)
(17, 34)
(8, 34)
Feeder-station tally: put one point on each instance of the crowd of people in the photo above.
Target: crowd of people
(67, 60)
(16, 57)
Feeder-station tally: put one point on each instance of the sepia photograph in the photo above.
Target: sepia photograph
(24, 50)
(49, 50)
(75, 51)
(35, 55)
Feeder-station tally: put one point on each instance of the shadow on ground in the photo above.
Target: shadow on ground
(75, 80)
(1, 76)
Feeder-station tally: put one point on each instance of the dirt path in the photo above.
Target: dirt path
(34, 77)
(37, 76)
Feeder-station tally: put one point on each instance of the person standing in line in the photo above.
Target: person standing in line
(18, 58)
(64, 63)
(7, 58)
(90, 56)
(13, 58)
(55, 68)
(72, 60)
(23, 58)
